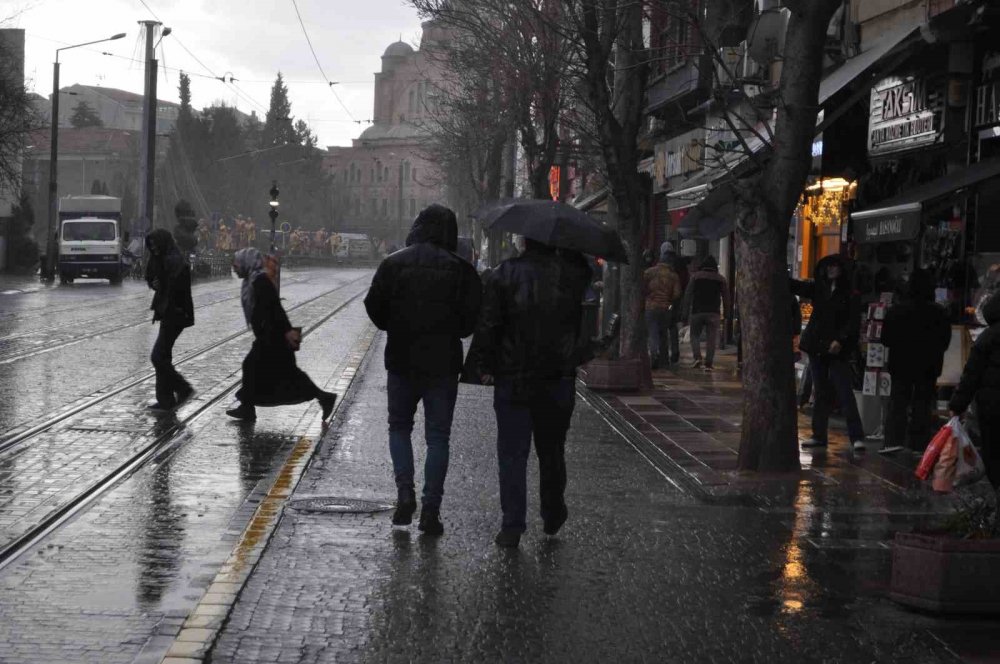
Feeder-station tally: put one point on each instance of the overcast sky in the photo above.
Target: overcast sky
(251, 39)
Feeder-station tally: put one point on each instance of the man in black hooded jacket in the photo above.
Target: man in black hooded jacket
(426, 298)
(169, 275)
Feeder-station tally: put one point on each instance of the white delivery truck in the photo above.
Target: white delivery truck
(90, 242)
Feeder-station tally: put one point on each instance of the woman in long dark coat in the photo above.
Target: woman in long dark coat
(169, 276)
(270, 375)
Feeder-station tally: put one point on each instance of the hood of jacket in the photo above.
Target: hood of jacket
(160, 242)
(435, 224)
(843, 281)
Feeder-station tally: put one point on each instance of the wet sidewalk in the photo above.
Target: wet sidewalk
(648, 567)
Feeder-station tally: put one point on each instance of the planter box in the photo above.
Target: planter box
(615, 375)
(944, 574)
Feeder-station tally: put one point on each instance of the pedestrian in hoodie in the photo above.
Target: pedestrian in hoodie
(169, 276)
(528, 344)
(661, 287)
(980, 382)
(830, 339)
(917, 333)
(707, 294)
(427, 299)
(271, 376)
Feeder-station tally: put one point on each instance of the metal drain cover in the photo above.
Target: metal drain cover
(337, 505)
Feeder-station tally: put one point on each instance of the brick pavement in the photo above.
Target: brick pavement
(644, 570)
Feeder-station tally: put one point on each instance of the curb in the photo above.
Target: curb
(194, 642)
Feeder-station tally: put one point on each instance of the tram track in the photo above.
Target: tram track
(162, 443)
(46, 424)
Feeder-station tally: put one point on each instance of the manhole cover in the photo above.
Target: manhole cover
(339, 505)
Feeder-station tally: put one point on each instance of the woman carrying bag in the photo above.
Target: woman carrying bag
(270, 375)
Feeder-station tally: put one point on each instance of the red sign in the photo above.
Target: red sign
(554, 183)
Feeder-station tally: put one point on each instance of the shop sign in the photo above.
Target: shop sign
(902, 116)
(888, 227)
(987, 111)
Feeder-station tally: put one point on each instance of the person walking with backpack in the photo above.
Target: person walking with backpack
(661, 287)
(169, 276)
(706, 293)
(270, 375)
(830, 339)
(427, 299)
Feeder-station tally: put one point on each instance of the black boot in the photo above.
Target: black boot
(553, 523)
(430, 521)
(406, 505)
(245, 412)
(508, 539)
(327, 400)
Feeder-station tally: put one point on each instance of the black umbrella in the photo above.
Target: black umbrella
(555, 224)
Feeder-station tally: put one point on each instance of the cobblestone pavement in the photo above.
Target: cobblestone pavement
(644, 570)
(115, 584)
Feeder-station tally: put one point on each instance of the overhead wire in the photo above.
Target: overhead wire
(318, 65)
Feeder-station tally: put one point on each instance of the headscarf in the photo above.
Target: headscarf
(249, 264)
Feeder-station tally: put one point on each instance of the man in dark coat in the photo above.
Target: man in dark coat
(426, 298)
(169, 275)
(981, 382)
(528, 344)
(830, 339)
(679, 265)
(917, 333)
(707, 295)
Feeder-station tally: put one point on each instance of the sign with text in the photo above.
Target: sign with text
(905, 114)
(888, 227)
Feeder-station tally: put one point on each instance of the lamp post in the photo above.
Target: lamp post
(273, 214)
(50, 257)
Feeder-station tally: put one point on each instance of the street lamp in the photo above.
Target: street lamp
(50, 258)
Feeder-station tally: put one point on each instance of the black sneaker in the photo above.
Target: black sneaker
(508, 539)
(327, 401)
(243, 412)
(406, 505)
(552, 526)
(158, 408)
(430, 522)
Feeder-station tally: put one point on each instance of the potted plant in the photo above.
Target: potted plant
(953, 570)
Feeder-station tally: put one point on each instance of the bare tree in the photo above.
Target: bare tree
(17, 117)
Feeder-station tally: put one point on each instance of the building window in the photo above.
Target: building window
(385, 208)
(414, 172)
(413, 207)
(385, 174)
(374, 207)
(406, 171)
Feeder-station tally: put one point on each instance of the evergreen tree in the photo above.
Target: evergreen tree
(85, 116)
(23, 249)
(185, 116)
(278, 127)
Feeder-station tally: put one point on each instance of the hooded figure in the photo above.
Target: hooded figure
(661, 287)
(270, 375)
(426, 299)
(168, 274)
(917, 333)
(707, 295)
(830, 339)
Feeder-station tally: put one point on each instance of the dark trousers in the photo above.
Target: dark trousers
(657, 331)
(832, 376)
(439, 394)
(910, 410)
(988, 412)
(168, 381)
(673, 334)
(540, 409)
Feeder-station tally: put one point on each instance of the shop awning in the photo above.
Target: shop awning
(860, 63)
(587, 203)
(898, 218)
(685, 198)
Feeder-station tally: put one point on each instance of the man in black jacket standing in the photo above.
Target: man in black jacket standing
(426, 298)
(169, 275)
(917, 333)
(528, 344)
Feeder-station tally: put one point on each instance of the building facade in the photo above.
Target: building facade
(385, 178)
(117, 109)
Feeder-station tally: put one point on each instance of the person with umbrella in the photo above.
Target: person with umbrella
(528, 345)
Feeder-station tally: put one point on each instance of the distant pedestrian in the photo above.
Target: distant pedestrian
(707, 295)
(917, 333)
(270, 375)
(830, 339)
(426, 298)
(528, 344)
(670, 256)
(661, 287)
(169, 275)
(980, 383)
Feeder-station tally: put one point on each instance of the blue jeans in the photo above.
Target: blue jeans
(832, 375)
(657, 327)
(542, 409)
(438, 394)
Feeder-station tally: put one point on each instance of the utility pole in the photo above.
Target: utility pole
(400, 236)
(147, 145)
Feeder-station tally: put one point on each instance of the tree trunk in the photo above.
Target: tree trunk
(769, 439)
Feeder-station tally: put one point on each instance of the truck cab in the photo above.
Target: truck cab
(90, 242)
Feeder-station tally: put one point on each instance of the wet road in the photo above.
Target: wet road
(112, 520)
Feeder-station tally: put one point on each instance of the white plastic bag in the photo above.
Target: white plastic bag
(969, 466)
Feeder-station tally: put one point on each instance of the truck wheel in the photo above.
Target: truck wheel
(116, 278)
(65, 278)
